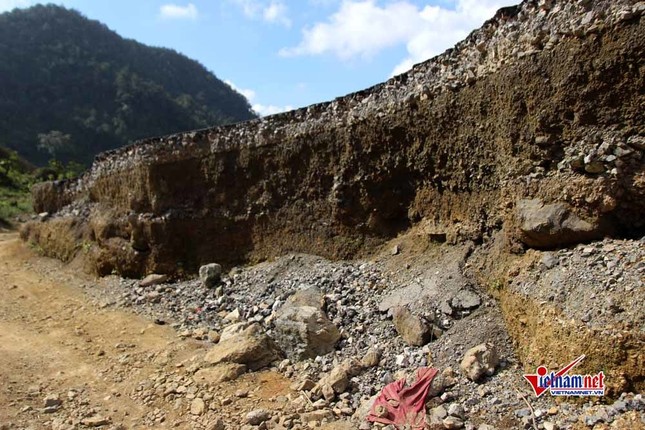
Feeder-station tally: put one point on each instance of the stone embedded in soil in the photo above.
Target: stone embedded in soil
(257, 416)
(96, 421)
(305, 332)
(548, 425)
(233, 316)
(465, 300)
(233, 330)
(218, 424)
(52, 400)
(197, 406)
(153, 279)
(549, 260)
(479, 361)
(251, 347)
(371, 358)
(452, 423)
(310, 296)
(337, 380)
(437, 414)
(413, 329)
(456, 410)
(220, 373)
(550, 225)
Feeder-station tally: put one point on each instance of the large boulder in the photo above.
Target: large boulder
(413, 329)
(210, 274)
(552, 225)
(305, 332)
(302, 328)
(251, 347)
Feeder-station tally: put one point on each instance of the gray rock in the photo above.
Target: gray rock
(465, 300)
(551, 225)
(310, 296)
(210, 274)
(305, 332)
(232, 330)
(445, 307)
(438, 414)
(456, 410)
(441, 382)
(257, 417)
(620, 406)
(524, 412)
(549, 260)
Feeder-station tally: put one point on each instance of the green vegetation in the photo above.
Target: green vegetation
(15, 179)
(71, 88)
(17, 176)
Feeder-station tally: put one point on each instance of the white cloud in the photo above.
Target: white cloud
(173, 11)
(262, 110)
(362, 28)
(249, 94)
(359, 28)
(251, 8)
(275, 12)
(323, 3)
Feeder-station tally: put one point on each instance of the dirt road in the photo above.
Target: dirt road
(54, 341)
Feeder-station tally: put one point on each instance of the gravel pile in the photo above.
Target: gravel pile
(354, 296)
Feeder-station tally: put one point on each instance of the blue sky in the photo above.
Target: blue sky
(285, 54)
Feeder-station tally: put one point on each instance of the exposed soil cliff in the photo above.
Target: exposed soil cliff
(542, 102)
(528, 134)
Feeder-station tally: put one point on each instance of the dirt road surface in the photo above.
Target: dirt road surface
(54, 341)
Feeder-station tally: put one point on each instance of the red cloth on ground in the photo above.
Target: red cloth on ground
(400, 405)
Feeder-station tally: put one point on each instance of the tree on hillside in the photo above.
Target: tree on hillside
(87, 90)
(55, 143)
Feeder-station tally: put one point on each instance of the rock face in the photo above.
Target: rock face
(251, 347)
(550, 225)
(510, 113)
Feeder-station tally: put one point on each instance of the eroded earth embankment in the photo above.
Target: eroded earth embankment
(527, 137)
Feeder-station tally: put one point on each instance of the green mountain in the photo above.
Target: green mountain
(71, 88)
